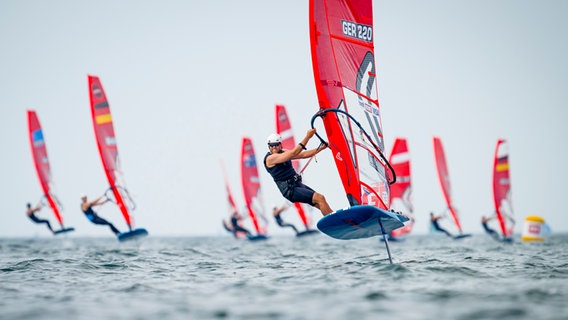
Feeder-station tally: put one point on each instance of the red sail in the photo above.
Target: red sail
(284, 129)
(502, 188)
(401, 191)
(444, 177)
(106, 142)
(341, 38)
(41, 162)
(251, 186)
(232, 206)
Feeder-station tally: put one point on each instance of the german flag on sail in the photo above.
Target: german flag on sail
(502, 167)
(103, 118)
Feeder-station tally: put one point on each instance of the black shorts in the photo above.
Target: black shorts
(296, 191)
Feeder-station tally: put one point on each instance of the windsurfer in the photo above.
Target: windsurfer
(434, 220)
(87, 208)
(235, 225)
(276, 212)
(31, 214)
(278, 163)
(491, 232)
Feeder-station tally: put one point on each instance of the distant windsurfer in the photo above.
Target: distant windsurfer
(277, 212)
(434, 220)
(31, 214)
(235, 225)
(490, 231)
(87, 208)
(278, 163)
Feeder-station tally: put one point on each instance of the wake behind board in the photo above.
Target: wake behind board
(257, 237)
(360, 222)
(131, 235)
(64, 230)
(307, 233)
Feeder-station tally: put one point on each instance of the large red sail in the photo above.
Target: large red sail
(444, 177)
(41, 162)
(401, 191)
(106, 142)
(251, 186)
(502, 188)
(284, 129)
(341, 38)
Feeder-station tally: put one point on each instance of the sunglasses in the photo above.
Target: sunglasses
(276, 144)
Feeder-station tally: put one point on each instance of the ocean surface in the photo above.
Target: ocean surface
(315, 277)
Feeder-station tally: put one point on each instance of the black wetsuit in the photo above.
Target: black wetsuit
(437, 227)
(289, 182)
(38, 220)
(237, 228)
(94, 218)
(284, 224)
(490, 231)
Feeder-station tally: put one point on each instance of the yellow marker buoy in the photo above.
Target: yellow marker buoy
(534, 229)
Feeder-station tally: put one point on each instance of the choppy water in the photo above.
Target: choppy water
(283, 278)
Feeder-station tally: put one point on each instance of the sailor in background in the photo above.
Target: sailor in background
(277, 212)
(278, 163)
(87, 208)
(434, 220)
(235, 227)
(491, 232)
(31, 214)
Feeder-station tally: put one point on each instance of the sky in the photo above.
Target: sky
(186, 80)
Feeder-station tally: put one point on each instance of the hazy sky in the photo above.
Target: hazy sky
(187, 79)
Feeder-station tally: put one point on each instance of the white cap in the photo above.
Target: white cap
(274, 138)
(83, 195)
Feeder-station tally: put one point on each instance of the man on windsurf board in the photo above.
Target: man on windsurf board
(278, 163)
(277, 212)
(31, 214)
(434, 220)
(87, 208)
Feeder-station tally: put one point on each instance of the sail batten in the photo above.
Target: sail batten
(251, 186)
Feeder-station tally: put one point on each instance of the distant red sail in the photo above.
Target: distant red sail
(251, 186)
(444, 177)
(106, 142)
(401, 191)
(284, 129)
(232, 205)
(343, 60)
(502, 188)
(41, 162)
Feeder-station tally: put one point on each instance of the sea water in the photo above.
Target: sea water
(314, 277)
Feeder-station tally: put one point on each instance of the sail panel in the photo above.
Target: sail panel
(106, 143)
(502, 188)
(251, 186)
(444, 177)
(341, 37)
(41, 163)
(401, 191)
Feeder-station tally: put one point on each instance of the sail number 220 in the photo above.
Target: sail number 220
(356, 30)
